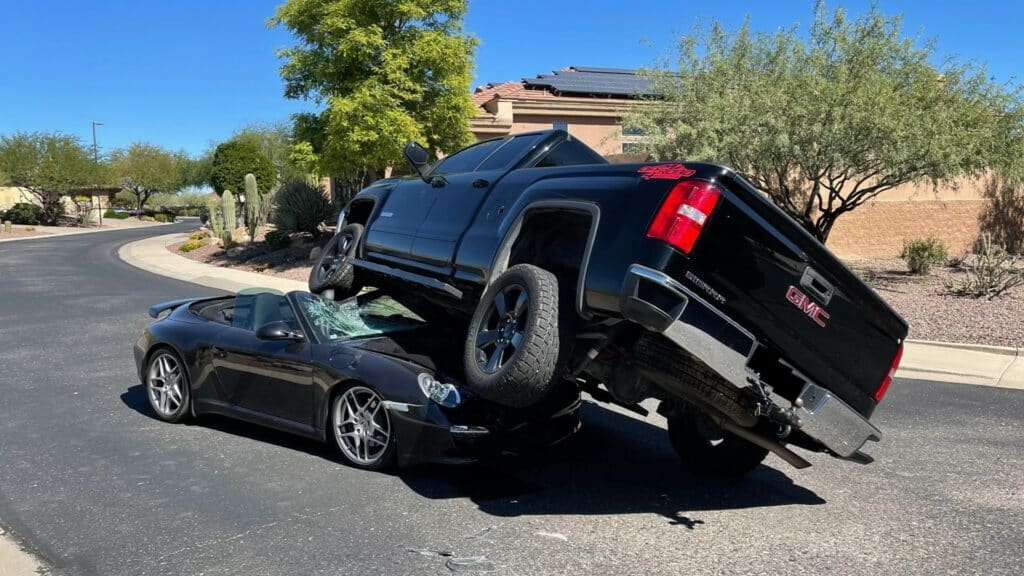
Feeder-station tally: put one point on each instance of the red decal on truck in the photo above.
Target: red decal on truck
(665, 172)
(807, 306)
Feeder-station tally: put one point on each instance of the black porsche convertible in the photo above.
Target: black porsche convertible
(372, 374)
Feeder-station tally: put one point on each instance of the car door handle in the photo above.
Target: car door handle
(218, 352)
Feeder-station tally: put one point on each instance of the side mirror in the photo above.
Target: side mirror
(277, 331)
(419, 158)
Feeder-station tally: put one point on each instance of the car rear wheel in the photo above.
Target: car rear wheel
(512, 348)
(334, 270)
(361, 428)
(705, 448)
(167, 386)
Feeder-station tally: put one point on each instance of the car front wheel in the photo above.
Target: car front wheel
(361, 428)
(167, 386)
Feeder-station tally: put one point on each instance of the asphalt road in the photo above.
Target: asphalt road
(92, 482)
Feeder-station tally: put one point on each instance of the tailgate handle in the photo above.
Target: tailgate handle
(817, 285)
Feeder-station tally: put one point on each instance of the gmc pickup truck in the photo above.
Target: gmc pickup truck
(676, 281)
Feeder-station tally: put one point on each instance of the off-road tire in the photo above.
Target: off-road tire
(678, 372)
(333, 271)
(529, 374)
(731, 456)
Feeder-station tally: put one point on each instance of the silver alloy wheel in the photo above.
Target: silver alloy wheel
(503, 329)
(362, 426)
(164, 384)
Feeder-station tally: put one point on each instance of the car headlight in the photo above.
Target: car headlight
(445, 394)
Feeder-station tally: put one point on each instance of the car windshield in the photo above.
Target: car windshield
(370, 314)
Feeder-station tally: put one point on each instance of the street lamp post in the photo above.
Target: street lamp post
(96, 161)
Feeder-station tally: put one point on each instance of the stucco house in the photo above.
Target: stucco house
(590, 102)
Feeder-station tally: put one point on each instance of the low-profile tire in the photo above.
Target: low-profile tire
(361, 428)
(512, 347)
(334, 271)
(706, 449)
(167, 386)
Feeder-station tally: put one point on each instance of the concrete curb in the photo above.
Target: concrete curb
(90, 231)
(152, 255)
(14, 561)
(922, 360)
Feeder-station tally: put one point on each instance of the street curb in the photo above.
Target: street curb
(1001, 350)
(80, 232)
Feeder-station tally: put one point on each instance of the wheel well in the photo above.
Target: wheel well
(556, 240)
(359, 212)
(332, 393)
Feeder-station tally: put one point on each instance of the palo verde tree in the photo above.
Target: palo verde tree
(144, 170)
(386, 72)
(826, 121)
(48, 166)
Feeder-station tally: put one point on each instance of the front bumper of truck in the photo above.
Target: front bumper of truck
(661, 304)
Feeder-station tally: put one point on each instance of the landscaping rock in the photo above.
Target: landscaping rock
(235, 252)
(315, 253)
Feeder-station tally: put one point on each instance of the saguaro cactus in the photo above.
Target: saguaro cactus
(230, 222)
(216, 219)
(252, 206)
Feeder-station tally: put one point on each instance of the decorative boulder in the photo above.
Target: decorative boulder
(235, 252)
(315, 253)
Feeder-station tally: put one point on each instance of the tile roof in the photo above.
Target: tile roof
(575, 83)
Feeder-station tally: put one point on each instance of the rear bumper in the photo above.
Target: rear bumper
(661, 304)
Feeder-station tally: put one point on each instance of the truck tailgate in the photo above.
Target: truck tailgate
(799, 300)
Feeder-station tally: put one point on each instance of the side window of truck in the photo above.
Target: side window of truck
(468, 159)
(569, 153)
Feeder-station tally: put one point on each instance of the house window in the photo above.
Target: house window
(633, 131)
(560, 126)
(631, 148)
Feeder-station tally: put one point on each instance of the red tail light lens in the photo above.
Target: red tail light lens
(682, 215)
(888, 377)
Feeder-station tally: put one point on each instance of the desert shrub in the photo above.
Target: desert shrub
(191, 244)
(163, 217)
(277, 240)
(30, 228)
(994, 272)
(923, 253)
(197, 236)
(301, 207)
(956, 261)
(24, 213)
(110, 213)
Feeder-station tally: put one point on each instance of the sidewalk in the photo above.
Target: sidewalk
(152, 255)
(922, 360)
(52, 231)
(14, 561)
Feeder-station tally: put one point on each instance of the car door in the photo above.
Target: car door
(271, 377)
(456, 203)
(393, 231)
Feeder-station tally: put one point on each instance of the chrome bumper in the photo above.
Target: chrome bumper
(661, 304)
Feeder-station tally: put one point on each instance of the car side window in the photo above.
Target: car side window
(467, 159)
(256, 309)
(569, 153)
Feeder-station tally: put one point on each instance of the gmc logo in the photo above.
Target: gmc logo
(807, 306)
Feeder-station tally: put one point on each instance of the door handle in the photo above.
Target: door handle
(816, 284)
(218, 352)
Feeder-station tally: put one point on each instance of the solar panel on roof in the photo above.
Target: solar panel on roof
(594, 81)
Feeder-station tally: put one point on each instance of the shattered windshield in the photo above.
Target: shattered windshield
(369, 314)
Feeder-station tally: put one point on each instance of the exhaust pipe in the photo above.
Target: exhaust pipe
(781, 451)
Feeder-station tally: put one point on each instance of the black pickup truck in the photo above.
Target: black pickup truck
(673, 281)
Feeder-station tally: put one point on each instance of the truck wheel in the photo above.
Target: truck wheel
(334, 271)
(511, 353)
(705, 448)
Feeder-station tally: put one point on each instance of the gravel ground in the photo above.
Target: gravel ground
(292, 263)
(19, 233)
(934, 315)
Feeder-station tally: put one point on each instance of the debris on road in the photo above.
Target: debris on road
(554, 535)
(470, 564)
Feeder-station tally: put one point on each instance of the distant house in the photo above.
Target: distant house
(590, 102)
(586, 101)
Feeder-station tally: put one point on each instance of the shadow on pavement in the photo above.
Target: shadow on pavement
(615, 465)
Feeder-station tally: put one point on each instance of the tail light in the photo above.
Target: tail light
(884, 387)
(682, 215)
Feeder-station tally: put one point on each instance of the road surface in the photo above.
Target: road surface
(94, 484)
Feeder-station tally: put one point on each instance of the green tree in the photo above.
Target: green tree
(48, 166)
(387, 72)
(233, 159)
(275, 142)
(195, 172)
(824, 123)
(144, 170)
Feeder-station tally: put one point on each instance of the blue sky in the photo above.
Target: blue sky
(189, 73)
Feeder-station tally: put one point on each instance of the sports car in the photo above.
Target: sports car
(376, 374)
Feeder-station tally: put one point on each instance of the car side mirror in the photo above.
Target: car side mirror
(419, 159)
(278, 331)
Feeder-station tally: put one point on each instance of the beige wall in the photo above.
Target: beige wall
(878, 229)
(601, 134)
(11, 196)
